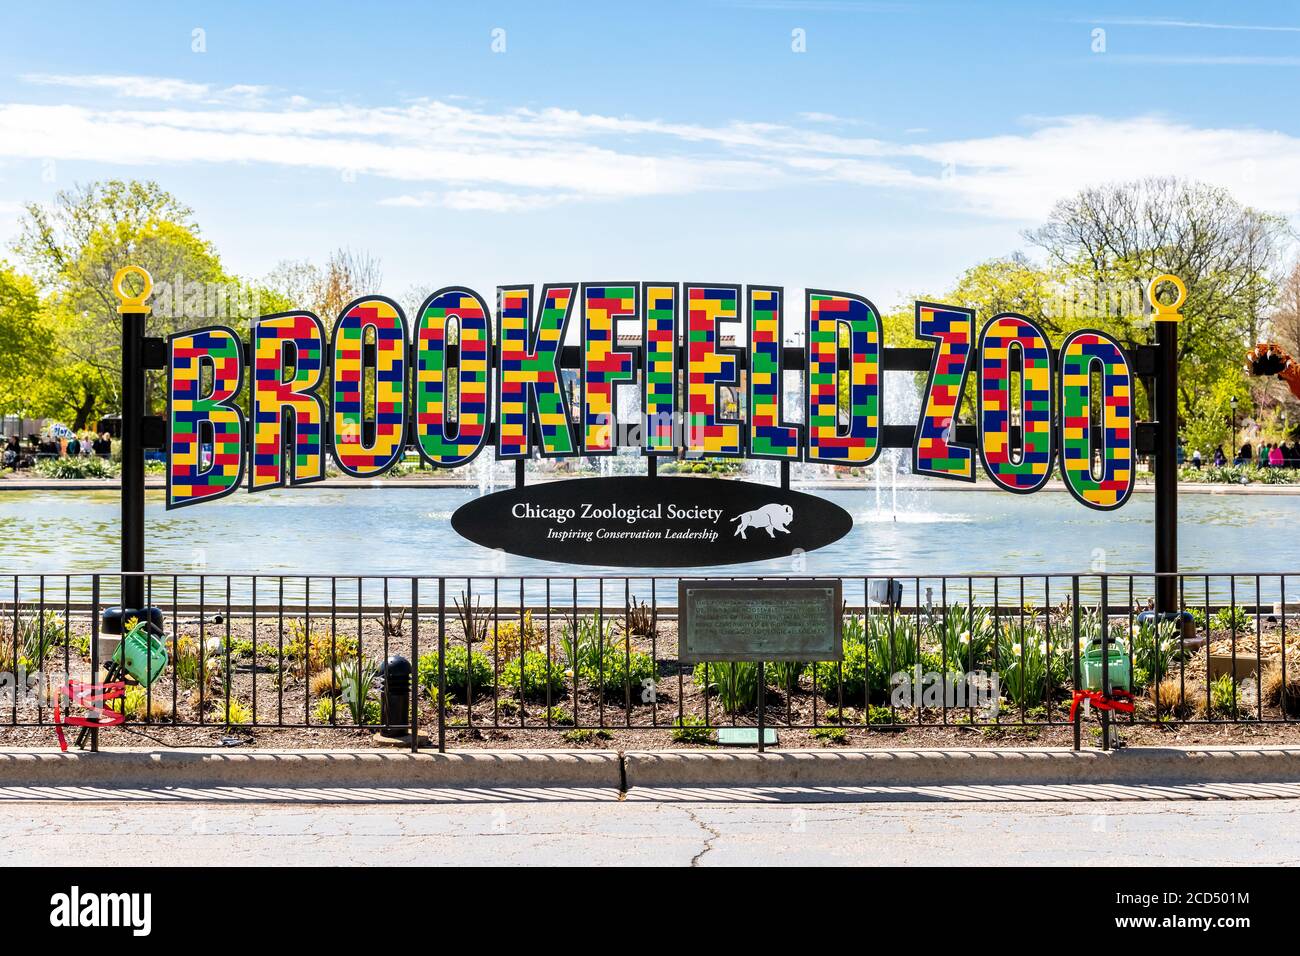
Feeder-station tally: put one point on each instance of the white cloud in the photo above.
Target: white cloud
(152, 87)
(476, 200)
(1194, 59)
(1190, 24)
(467, 157)
(1020, 176)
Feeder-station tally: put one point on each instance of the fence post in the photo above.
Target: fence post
(415, 665)
(442, 664)
(1078, 676)
(94, 651)
(762, 687)
(1105, 659)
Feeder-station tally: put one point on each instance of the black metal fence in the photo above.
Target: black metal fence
(558, 660)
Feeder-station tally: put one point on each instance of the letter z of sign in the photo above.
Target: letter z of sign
(935, 450)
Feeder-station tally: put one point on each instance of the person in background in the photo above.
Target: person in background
(1220, 459)
(103, 446)
(1196, 459)
(1245, 455)
(74, 447)
(1263, 454)
(1275, 459)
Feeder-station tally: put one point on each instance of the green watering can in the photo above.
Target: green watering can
(1090, 662)
(142, 654)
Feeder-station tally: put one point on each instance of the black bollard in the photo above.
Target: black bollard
(395, 699)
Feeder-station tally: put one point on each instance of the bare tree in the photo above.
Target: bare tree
(1286, 317)
(1123, 235)
(346, 276)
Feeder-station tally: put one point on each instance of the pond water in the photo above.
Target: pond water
(406, 530)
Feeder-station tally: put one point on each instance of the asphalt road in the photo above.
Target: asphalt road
(649, 828)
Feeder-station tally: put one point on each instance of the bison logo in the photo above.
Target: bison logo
(769, 518)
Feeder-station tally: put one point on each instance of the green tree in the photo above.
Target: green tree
(26, 343)
(76, 245)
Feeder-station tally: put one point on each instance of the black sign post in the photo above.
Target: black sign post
(1166, 319)
(134, 310)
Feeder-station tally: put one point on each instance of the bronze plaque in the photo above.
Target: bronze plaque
(759, 620)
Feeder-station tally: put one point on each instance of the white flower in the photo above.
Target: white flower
(964, 637)
(1015, 649)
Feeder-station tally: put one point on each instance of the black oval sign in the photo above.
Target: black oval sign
(639, 521)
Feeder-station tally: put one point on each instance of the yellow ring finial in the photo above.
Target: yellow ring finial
(132, 303)
(1163, 312)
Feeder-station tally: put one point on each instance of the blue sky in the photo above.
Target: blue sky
(615, 141)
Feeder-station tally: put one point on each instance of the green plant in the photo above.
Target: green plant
(586, 736)
(191, 664)
(875, 648)
(784, 674)
(880, 715)
(1225, 698)
(136, 702)
(308, 651)
(582, 643)
(32, 636)
(965, 637)
(464, 673)
(558, 715)
(1155, 644)
(619, 671)
(503, 639)
(238, 647)
(328, 711)
(1025, 665)
(846, 677)
(1230, 619)
(357, 680)
(691, 729)
(93, 467)
(231, 712)
(830, 735)
(533, 676)
(735, 683)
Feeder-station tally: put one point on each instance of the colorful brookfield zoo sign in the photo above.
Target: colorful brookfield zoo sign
(459, 382)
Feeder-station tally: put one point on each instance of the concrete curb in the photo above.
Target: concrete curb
(921, 768)
(314, 768)
(151, 769)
